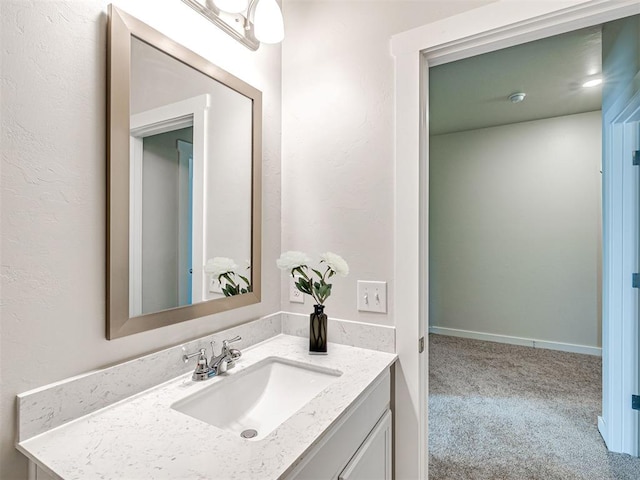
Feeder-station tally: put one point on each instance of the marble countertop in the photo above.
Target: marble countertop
(142, 437)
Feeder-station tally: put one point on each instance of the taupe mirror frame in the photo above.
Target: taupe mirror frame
(122, 27)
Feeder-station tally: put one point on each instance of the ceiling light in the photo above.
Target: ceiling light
(594, 82)
(517, 97)
(250, 22)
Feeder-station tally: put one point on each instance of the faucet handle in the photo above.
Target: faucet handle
(225, 343)
(187, 356)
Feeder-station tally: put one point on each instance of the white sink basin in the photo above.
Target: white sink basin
(259, 398)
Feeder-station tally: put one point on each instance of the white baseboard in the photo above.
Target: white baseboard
(527, 342)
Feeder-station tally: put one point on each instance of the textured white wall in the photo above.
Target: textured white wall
(514, 230)
(338, 160)
(53, 81)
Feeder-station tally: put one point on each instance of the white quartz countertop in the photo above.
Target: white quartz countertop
(142, 437)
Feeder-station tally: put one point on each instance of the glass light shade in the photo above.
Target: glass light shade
(268, 22)
(232, 6)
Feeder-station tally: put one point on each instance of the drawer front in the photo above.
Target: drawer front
(372, 461)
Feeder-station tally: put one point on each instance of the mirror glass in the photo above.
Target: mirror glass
(185, 153)
(191, 187)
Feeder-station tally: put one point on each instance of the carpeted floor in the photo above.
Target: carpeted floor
(501, 411)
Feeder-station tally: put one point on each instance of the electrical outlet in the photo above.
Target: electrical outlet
(295, 295)
(372, 296)
(214, 286)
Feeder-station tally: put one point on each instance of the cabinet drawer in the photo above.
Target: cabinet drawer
(372, 461)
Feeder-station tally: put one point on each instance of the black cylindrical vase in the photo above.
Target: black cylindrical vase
(318, 331)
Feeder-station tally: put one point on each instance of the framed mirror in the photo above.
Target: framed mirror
(184, 183)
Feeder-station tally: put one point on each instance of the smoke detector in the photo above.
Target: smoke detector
(517, 97)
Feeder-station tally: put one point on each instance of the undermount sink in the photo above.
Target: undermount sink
(253, 402)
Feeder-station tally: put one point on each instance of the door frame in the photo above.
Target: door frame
(498, 25)
(620, 426)
(191, 112)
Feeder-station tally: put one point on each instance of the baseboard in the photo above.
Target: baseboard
(527, 342)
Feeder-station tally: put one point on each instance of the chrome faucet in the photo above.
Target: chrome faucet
(218, 364)
(227, 358)
(202, 366)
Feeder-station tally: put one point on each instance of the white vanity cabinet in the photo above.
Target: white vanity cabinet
(341, 433)
(373, 458)
(37, 473)
(358, 446)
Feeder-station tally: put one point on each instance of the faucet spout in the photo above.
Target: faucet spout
(227, 358)
(220, 364)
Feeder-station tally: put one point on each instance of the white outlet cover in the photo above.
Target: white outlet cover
(214, 286)
(295, 295)
(372, 296)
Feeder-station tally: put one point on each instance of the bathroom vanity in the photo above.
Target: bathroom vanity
(315, 417)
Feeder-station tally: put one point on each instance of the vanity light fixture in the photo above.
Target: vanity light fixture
(251, 22)
(232, 6)
(593, 82)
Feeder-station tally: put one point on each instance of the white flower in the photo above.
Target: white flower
(292, 259)
(336, 263)
(219, 265)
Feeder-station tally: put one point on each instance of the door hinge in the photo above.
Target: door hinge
(421, 345)
(635, 402)
(635, 280)
(636, 158)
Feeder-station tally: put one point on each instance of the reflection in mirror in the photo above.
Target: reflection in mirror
(163, 259)
(189, 212)
(190, 170)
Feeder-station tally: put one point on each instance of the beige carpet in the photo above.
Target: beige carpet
(501, 411)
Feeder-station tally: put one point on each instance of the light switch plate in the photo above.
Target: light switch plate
(295, 295)
(372, 296)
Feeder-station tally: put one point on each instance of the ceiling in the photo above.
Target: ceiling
(473, 93)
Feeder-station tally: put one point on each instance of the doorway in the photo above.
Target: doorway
(514, 221)
(488, 28)
(514, 195)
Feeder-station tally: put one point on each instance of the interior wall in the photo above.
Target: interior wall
(161, 212)
(621, 60)
(514, 230)
(338, 137)
(53, 230)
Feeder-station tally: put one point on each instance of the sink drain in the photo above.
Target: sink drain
(250, 433)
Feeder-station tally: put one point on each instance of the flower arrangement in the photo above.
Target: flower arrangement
(225, 271)
(298, 264)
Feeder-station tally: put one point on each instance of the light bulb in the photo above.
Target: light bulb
(268, 22)
(594, 82)
(517, 97)
(232, 6)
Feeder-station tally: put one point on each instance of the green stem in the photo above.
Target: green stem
(324, 277)
(228, 278)
(301, 271)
